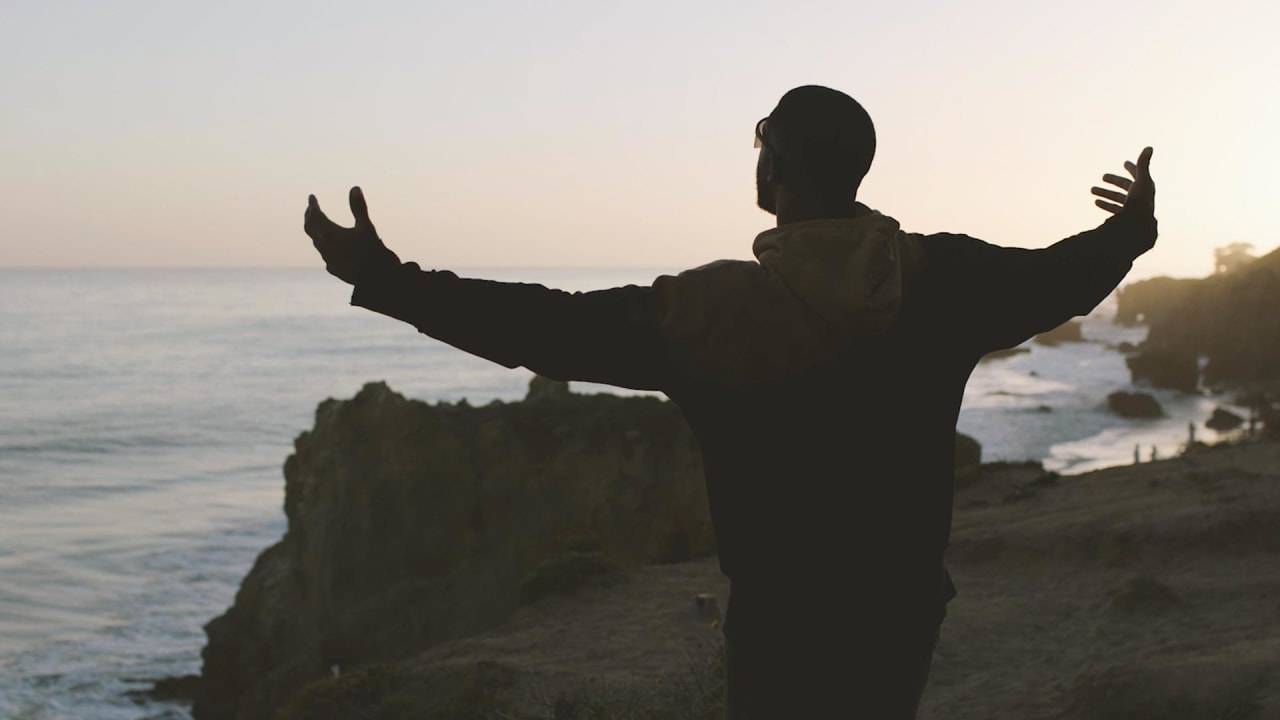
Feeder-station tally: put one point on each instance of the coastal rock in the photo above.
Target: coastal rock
(1069, 331)
(1271, 421)
(1134, 405)
(544, 387)
(968, 451)
(1004, 353)
(1229, 318)
(1153, 301)
(411, 524)
(1170, 369)
(1223, 420)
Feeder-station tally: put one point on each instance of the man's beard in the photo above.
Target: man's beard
(766, 196)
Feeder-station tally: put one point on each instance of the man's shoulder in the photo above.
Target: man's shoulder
(716, 278)
(947, 250)
(943, 240)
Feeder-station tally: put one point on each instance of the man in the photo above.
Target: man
(822, 381)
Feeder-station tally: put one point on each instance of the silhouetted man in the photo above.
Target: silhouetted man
(822, 380)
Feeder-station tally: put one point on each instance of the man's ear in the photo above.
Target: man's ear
(777, 169)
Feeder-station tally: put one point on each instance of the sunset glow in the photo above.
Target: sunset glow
(503, 134)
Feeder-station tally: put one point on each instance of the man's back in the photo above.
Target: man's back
(835, 474)
(823, 383)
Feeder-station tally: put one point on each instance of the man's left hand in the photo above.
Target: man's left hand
(349, 253)
(1137, 195)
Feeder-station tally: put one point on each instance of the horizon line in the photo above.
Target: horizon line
(320, 268)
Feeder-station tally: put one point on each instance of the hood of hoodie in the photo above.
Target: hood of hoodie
(815, 286)
(847, 271)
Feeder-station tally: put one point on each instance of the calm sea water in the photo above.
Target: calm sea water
(145, 416)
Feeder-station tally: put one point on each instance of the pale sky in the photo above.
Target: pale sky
(599, 134)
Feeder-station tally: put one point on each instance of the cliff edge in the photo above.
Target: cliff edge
(1229, 318)
(410, 524)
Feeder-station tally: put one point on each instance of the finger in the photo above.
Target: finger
(1144, 160)
(1108, 206)
(1110, 194)
(315, 222)
(1118, 181)
(1133, 169)
(359, 208)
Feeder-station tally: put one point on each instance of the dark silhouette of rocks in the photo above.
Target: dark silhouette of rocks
(1171, 369)
(1069, 331)
(968, 451)
(1006, 352)
(543, 387)
(181, 688)
(1229, 318)
(1153, 301)
(411, 524)
(1138, 405)
(1223, 420)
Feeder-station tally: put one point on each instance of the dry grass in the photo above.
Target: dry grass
(692, 692)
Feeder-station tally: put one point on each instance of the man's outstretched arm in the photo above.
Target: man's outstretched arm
(1008, 295)
(608, 336)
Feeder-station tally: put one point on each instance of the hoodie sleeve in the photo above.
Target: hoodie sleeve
(1002, 296)
(607, 336)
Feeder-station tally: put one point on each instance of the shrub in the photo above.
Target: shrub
(566, 574)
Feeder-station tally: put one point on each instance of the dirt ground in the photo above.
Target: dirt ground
(1150, 591)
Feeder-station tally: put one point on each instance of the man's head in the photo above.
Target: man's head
(817, 144)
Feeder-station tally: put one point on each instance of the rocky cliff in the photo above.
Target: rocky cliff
(411, 524)
(1232, 319)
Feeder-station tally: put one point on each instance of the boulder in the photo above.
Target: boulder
(968, 451)
(544, 387)
(1173, 370)
(1069, 331)
(1138, 405)
(1223, 420)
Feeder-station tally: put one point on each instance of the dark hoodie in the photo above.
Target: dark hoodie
(823, 383)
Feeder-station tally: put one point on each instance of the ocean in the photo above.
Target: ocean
(146, 414)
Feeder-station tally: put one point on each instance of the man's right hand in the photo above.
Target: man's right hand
(1137, 195)
(349, 253)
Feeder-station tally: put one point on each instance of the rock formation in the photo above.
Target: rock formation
(1171, 368)
(1229, 318)
(1134, 405)
(411, 524)
(1223, 419)
(968, 451)
(1069, 331)
(1152, 301)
